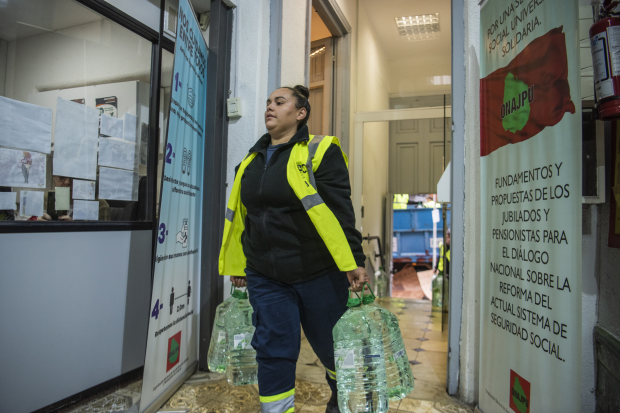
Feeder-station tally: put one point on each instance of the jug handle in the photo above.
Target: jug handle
(369, 290)
(351, 291)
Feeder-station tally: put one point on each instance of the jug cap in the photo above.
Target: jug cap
(241, 295)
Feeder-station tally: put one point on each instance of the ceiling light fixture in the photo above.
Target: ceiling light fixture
(439, 80)
(316, 52)
(422, 27)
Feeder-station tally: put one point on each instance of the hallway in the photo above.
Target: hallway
(426, 347)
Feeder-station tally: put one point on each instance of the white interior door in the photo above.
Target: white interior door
(418, 154)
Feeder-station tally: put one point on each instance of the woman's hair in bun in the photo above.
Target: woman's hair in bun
(302, 90)
(301, 94)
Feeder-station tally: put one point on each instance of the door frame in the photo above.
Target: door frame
(327, 127)
(357, 195)
(214, 177)
(340, 29)
(382, 116)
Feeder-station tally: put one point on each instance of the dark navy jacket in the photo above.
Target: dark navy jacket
(280, 241)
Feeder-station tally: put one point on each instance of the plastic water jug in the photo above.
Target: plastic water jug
(397, 370)
(437, 286)
(241, 365)
(216, 358)
(360, 364)
(381, 283)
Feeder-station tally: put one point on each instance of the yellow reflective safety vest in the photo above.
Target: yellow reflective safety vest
(440, 262)
(304, 160)
(401, 201)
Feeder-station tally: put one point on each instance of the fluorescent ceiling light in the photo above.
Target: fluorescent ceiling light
(422, 27)
(439, 80)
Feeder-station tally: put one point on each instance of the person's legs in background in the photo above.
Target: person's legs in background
(276, 340)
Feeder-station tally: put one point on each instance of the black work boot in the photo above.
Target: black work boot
(332, 404)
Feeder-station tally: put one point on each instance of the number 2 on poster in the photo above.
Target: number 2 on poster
(169, 153)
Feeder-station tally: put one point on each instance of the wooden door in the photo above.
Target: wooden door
(321, 87)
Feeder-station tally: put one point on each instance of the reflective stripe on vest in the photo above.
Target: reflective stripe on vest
(331, 374)
(303, 162)
(280, 403)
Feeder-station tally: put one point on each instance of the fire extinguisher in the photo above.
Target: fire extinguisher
(605, 47)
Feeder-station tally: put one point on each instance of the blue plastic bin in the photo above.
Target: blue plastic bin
(413, 230)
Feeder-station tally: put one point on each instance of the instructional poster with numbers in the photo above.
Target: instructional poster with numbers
(172, 344)
(530, 169)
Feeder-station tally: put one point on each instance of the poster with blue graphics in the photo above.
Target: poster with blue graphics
(172, 343)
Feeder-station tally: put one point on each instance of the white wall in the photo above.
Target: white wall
(350, 10)
(415, 76)
(295, 42)
(369, 92)
(373, 95)
(249, 82)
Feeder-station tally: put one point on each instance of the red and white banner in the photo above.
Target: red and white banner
(530, 148)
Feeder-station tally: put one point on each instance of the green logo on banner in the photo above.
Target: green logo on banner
(173, 356)
(518, 396)
(516, 107)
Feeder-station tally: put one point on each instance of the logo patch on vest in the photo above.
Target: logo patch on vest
(303, 171)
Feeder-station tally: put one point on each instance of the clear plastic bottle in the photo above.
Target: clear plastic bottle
(241, 365)
(360, 364)
(381, 282)
(216, 358)
(397, 370)
(437, 286)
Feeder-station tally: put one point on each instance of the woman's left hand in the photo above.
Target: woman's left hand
(357, 278)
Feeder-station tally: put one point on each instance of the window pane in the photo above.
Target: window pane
(74, 103)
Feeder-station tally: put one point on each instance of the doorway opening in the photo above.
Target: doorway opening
(321, 77)
(401, 148)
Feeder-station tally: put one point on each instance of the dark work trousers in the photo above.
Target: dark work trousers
(278, 311)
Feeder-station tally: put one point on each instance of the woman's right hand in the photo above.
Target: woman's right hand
(238, 281)
(357, 278)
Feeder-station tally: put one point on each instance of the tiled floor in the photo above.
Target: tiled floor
(426, 347)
